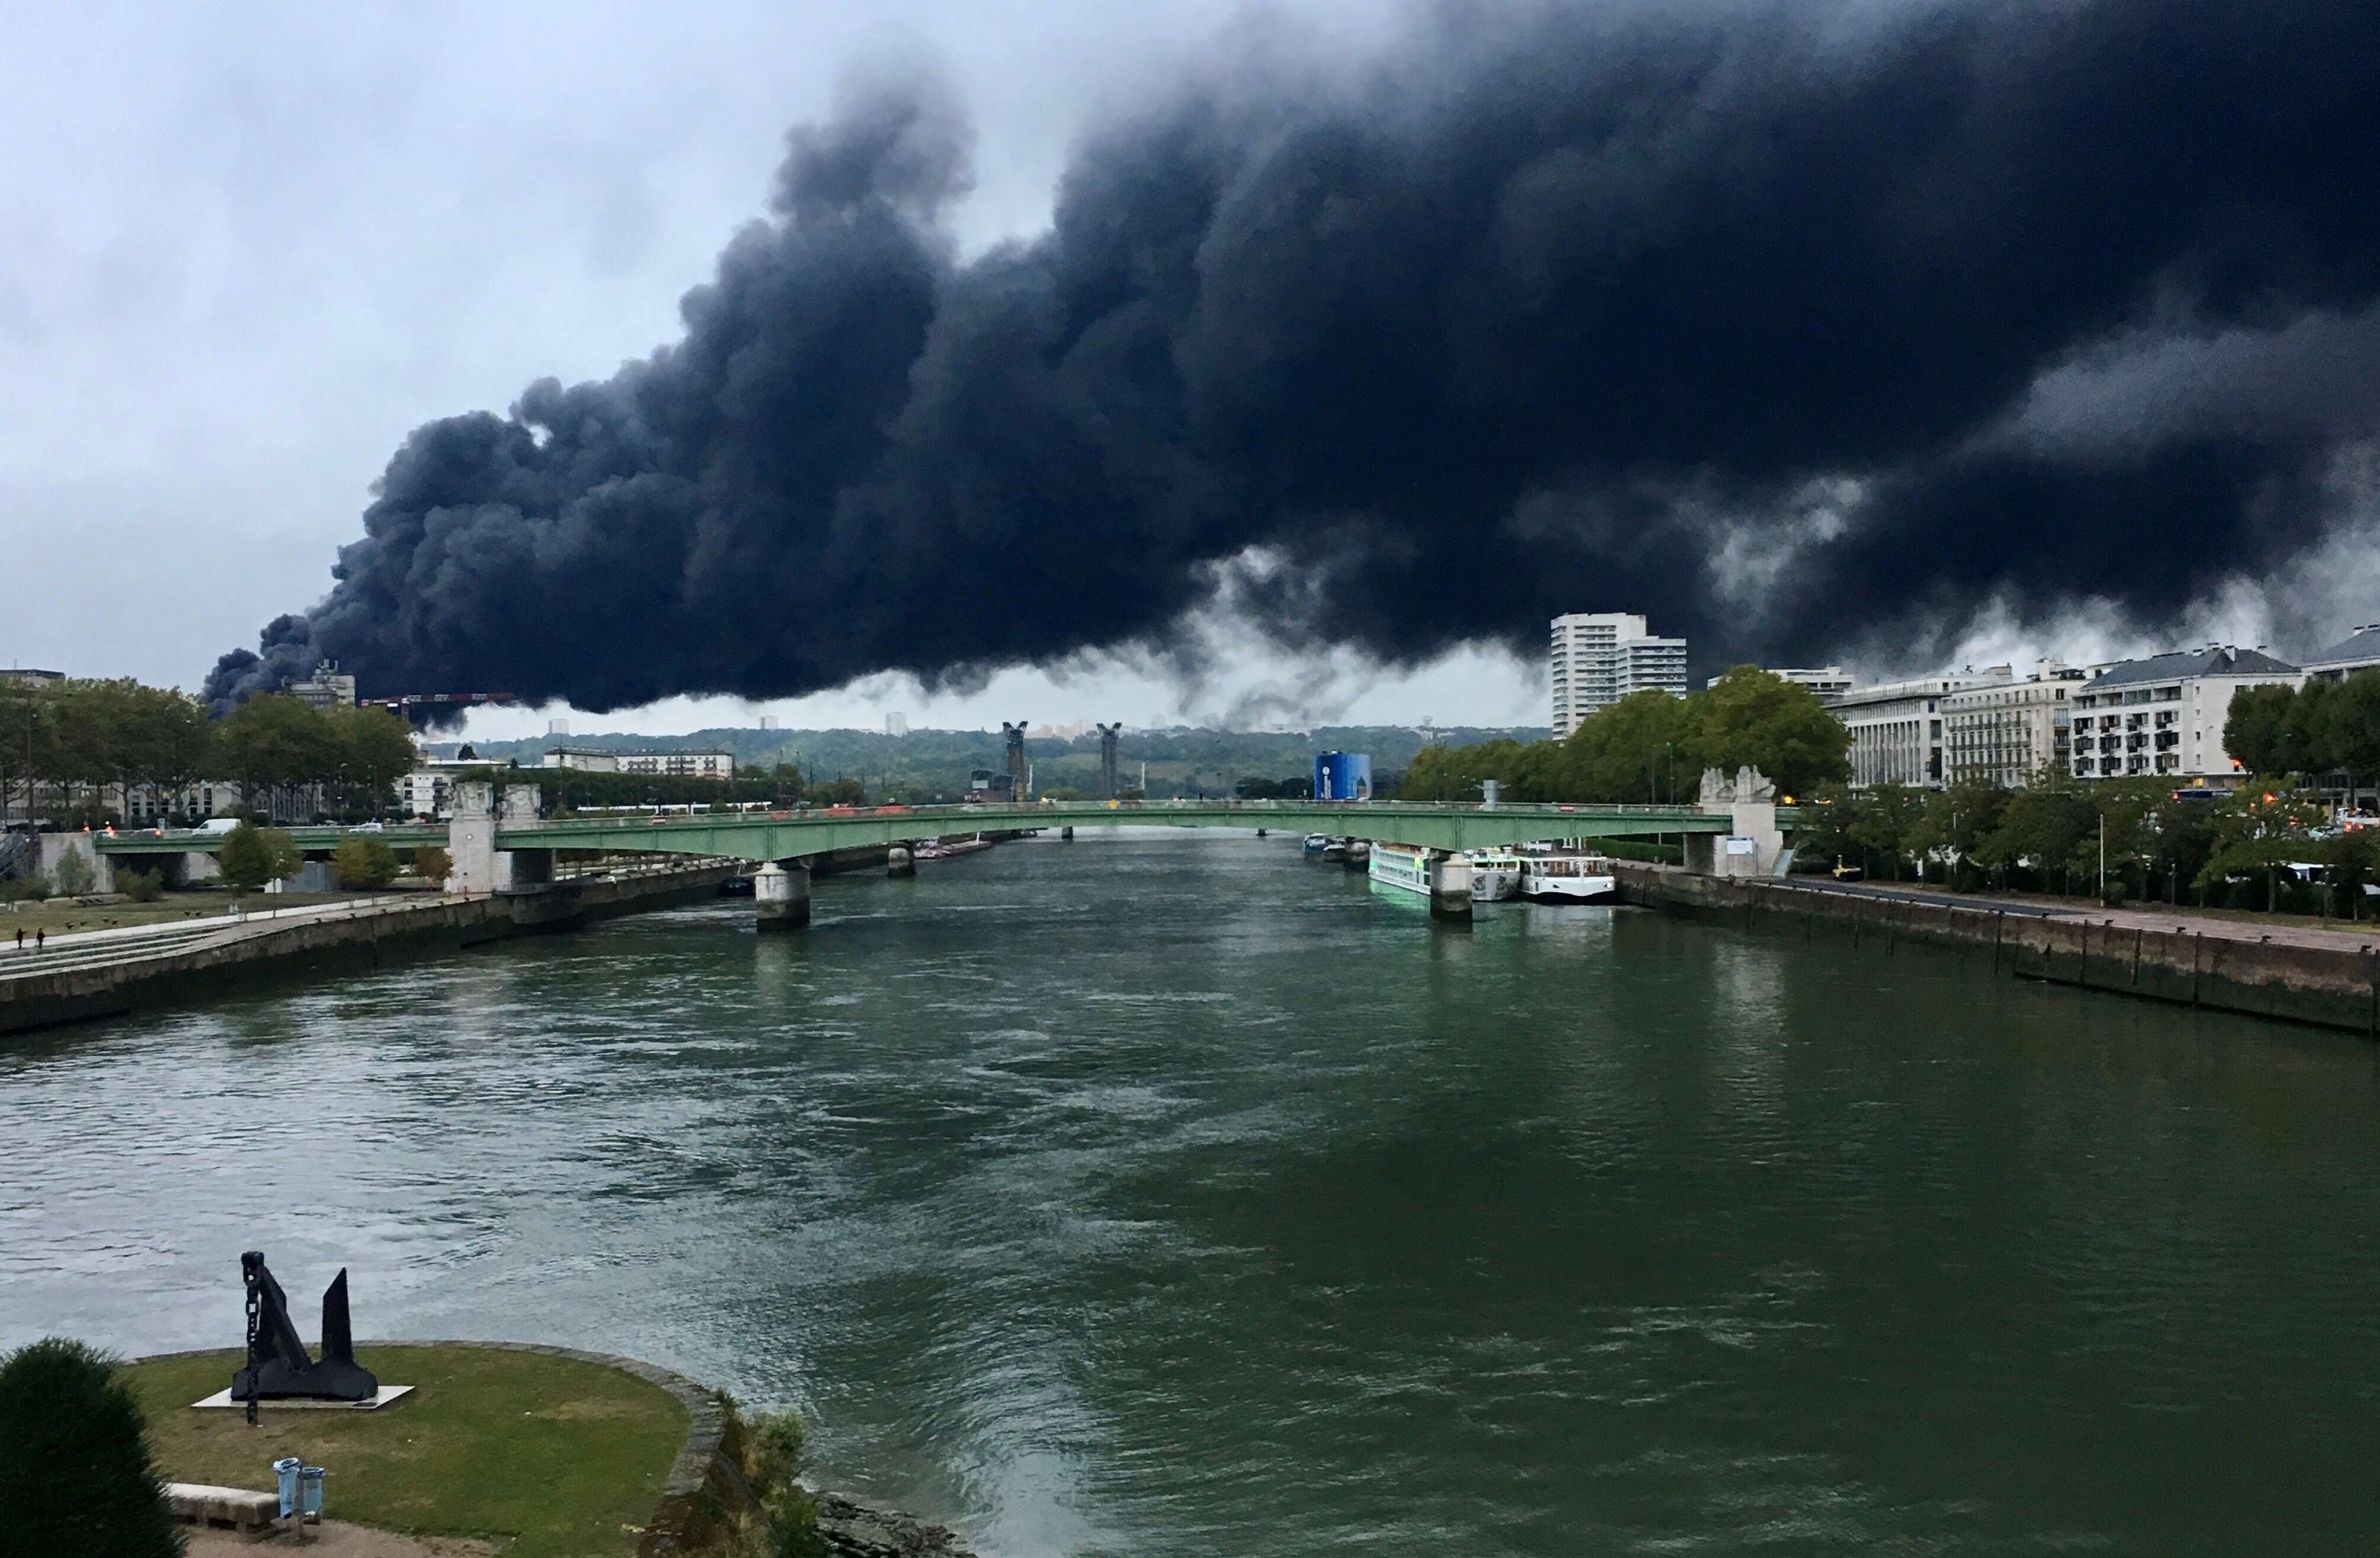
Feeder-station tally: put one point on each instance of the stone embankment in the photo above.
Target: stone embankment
(107, 974)
(2328, 979)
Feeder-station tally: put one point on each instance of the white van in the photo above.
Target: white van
(218, 824)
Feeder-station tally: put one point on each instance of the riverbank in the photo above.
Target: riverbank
(110, 973)
(2295, 973)
(548, 1451)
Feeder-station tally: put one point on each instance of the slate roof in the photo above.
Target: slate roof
(2362, 645)
(2192, 662)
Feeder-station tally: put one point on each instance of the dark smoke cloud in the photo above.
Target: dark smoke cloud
(1546, 310)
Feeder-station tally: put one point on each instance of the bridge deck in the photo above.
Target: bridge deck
(780, 835)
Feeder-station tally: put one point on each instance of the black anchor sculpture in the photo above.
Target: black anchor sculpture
(278, 1368)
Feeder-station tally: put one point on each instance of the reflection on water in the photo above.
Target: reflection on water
(1176, 1195)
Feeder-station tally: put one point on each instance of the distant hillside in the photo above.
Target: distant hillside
(923, 763)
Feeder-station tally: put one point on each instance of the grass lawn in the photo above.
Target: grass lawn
(57, 917)
(563, 1457)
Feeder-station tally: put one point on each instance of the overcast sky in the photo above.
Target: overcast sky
(245, 249)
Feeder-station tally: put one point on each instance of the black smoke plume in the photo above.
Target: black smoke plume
(1784, 324)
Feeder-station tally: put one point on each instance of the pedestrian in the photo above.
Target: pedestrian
(20, 938)
(38, 935)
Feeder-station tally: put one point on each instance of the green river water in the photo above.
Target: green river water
(1170, 1194)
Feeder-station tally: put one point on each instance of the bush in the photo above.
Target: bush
(74, 1474)
(26, 889)
(253, 856)
(72, 875)
(363, 862)
(769, 1447)
(432, 865)
(141, 887)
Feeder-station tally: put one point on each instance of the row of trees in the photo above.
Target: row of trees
(2320, 728)
(1651, 747)
(64, 744)
(2056, 834)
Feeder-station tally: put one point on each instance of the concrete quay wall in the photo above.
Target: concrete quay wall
(365, 939)
(2327, 987)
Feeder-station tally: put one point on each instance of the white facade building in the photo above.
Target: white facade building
(2358, 652)
(328, 687)
(681, 765)
(594, 759)
(2004, 732)
(2163, 715)
(1897, 727)
(1600, 657)
(1826, 681)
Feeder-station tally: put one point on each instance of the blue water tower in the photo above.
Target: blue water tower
(1342, 776)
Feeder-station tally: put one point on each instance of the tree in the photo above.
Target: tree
(1751, 716)
(2350, 736)
(2303, 731)
(253, 856)
(432, 865)
(363, 862)
(76, 1475)
(376, 750)
(2258, 828)
(1955, 822)
(277, 743)
(1640, 748)
(2043, 825)
(1828, 820)
(1887, 821)
(2251, 727)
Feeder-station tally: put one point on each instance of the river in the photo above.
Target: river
(1170, 1194)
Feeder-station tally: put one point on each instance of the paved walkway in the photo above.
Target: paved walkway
(2162, 917)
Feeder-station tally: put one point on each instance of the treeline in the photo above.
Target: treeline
(2320, 728)
(66, 746)
(2157, 844)
(1652, 747)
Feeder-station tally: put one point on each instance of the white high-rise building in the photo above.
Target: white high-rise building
(1601, 657)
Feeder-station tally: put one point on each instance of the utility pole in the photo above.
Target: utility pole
(2102, 857)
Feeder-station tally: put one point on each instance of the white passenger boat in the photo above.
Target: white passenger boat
(1568, 878)
(1317, 842)
(1495, 876)
(1401, 866)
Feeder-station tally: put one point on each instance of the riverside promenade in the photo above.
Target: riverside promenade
(95, 974)
(2285, 970)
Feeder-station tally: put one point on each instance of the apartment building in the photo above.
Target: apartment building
(1826, 681)
(1898, 732)
(2360, 650)
(2163, 715)
(1600, 657)
(2003, 732)
(681, 765)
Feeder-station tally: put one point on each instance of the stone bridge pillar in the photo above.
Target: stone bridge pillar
(521, 869)
(780, 896)
(471, 839)
(1449, 888)
(898, 861)
(1358, 857)
(1755, 845)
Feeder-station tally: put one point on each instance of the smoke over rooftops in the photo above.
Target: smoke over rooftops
(1545, 309)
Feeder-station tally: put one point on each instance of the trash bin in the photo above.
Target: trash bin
(309, 1492)
(285, 1471)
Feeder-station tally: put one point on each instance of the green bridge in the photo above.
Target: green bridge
(791, 834)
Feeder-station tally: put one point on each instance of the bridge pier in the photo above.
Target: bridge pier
(780, 896)
(1067, 832)
(1450, 889)
(1358, 857)
(471, 839)
(1755, 845)
(898, 861)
